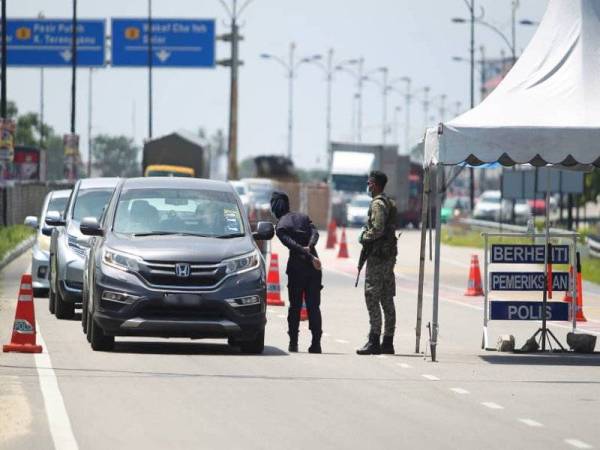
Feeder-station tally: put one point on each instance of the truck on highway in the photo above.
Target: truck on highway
(179, 154)
(350, 169)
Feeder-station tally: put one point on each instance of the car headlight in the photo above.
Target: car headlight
(120, 261)
(245, 262)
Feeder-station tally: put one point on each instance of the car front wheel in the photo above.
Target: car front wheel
(255, 346)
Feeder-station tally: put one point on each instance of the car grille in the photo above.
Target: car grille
(180, 313)
(162, 274)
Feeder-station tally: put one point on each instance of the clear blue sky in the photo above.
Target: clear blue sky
(413, 38)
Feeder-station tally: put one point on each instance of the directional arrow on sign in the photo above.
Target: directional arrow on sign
(66, 54)
(163, 55)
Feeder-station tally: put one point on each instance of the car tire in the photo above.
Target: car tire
(40, 292)
(99, 340)
(84, 316)
(255, 346)
(63, 309)
(88, 328)
(51, 295)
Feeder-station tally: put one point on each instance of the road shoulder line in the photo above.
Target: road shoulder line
(56, 412)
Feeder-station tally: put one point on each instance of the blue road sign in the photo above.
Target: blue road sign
(175, 42)
(528, 254)
(47, 42)
(527, 281)
(511, 310)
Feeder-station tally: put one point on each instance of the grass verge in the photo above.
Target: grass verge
(12, 236)
(461, 237)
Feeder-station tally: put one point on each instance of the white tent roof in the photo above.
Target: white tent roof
(546, 110)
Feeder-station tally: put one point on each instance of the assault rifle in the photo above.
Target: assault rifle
(364, 255)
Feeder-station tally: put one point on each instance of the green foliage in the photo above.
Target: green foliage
(591, 187)
(11, 236)
(116, 156)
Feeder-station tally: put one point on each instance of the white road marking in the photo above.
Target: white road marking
(56, 412)
(381, 356)
(531, 422)
(405, 366)
(460, 391)
(342, 341)
(430, 377)
(325, 334)
(492, 405)
(577, 443)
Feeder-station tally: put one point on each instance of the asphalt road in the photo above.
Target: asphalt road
(156, 394)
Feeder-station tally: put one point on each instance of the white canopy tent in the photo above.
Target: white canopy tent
(546, 110)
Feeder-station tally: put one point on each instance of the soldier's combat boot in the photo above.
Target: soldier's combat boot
(293, 347)
(372, 347)
(387, 345)
(315, 346)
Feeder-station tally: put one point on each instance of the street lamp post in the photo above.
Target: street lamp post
(360, 78)
(397, 111)
(291, 67)
(150, 102)
(385, 88)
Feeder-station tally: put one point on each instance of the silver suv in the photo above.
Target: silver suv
(68, 247)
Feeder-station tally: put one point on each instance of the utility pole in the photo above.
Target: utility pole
(291, 74)
(385, 72)
(234, 12)
(329, 70)
(3, 99)
(472, 86)
(359, 121)
(41, 108)
(90, 140)
(426, 90)
(73, 66)
(408, 100)
(150, 63)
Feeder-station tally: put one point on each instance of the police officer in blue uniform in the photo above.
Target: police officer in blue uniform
(297, 232)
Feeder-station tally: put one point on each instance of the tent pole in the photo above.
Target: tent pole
(439, 190)
(424, 225)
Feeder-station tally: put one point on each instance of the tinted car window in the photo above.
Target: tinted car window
(57, 204)
(91, 203)
(209, 213)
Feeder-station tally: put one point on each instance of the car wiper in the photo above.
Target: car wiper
(229, 236)
(170, 233)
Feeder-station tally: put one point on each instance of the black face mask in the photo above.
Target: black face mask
(280, 205)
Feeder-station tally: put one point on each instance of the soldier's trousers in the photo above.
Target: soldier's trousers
(380, 289)
(308, 287)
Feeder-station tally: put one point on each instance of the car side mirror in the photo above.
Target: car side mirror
(264, 231)
(31, 221)
(54, 219)
(47, 231)
(90, 227)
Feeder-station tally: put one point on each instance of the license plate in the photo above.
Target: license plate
(183, 299)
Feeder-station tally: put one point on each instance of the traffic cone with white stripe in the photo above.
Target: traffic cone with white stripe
(273, 287)
(331, 234)
(23, 337)
(474, 288)
(303, 310)
(580, 316)
(343, 252)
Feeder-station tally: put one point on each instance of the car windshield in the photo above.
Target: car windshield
(91, 203)
(262, 195)
(361, 202)
(241, 190)
(178, 211)
(57, 204)
(490, 199)
(168, 173)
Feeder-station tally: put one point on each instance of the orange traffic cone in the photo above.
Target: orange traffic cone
(273, 289)
(580, 317)
(568, 298)
(343, 252)
(303, 310)
(474, 284)
(331, 234)
(23, 337)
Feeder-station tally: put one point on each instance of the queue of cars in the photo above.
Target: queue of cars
(164, 257)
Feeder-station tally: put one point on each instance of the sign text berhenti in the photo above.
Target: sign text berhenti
(528, 254)
(528, 281)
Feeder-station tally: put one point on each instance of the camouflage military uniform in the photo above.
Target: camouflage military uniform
(380, 282)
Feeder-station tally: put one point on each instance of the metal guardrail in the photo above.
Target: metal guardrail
(593, 245)
(487, 225)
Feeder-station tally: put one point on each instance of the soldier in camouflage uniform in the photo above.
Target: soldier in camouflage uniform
(379, 241)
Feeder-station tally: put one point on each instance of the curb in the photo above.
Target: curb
(21, 248)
